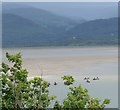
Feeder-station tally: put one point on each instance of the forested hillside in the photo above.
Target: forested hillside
(36, 27)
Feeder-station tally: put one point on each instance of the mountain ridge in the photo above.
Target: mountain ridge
(19, 31)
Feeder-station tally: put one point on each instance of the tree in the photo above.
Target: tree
(68, 80)
(17, 91)
(78, 98)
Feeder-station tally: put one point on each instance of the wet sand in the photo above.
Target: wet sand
(55, 64)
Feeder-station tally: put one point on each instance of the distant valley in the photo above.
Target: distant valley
(28, 27)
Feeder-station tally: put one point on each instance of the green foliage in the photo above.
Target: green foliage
(78, 98)
(17, 91)
(68, 80)
(57, 106)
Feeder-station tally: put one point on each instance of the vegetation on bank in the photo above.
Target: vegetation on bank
(18, 92)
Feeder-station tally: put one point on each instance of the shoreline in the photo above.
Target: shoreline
(54, 47)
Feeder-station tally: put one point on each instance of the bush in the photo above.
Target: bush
(18, 91)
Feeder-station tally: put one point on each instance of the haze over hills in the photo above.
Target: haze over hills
(18, 31)
(74, 10)
(29, 26)
(42, 17)
(95, 32)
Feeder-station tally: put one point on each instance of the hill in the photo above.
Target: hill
(53, 30)
(18, 31)
(42, 17)
(95, 32)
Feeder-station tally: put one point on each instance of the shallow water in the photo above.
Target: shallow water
(50, 54)
(105, 87)
(107, 71)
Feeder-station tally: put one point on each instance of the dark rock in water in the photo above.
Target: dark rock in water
(55, 83)
(94, 78)
(88, 78)
(65, 83)
(88, 81)
(97, 78)
(48, 84)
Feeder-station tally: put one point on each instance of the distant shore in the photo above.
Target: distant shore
(44, 47)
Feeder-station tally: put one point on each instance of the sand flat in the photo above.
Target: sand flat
(57, 65)
(54, 64)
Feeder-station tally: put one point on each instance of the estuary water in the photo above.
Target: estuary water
(53, 63)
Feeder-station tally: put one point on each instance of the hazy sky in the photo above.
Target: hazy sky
(59, 0)
(75, 10)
